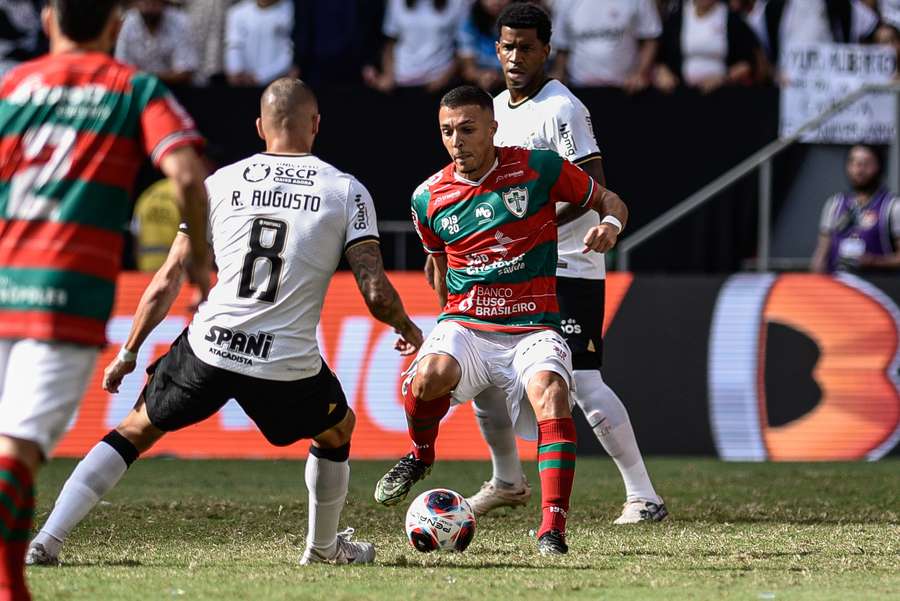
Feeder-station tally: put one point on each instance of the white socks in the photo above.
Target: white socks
(327, 481)
(496, 427)
(609, 419)
(94, 476)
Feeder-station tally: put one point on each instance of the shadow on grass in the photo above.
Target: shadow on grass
(118, 563)
(488, 565)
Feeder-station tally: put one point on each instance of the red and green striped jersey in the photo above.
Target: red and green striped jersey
(499, 235)
(74, 130)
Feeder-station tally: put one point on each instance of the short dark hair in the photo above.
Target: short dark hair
(83, 20)
(524, 15)
(468, 96)
(875, 151)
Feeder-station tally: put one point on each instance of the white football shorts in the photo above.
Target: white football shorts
(507, 361)
(41, 385)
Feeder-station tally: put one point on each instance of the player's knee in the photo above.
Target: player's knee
(137, 429)
(549, 395)
(339, 435)
(436, 376)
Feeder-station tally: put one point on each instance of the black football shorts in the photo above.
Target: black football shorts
(581, 305)
(182, 390)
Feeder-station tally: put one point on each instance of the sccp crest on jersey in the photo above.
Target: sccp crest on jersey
(516, 201)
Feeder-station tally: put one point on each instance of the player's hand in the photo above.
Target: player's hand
(114, 372)
(601, 238)
(410, 340)
(637, 82)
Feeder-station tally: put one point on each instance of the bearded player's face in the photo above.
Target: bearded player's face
(522, 56)
(468, 135)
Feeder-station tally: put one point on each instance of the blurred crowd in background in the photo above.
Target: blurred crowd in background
(431, 45)
(630, 44)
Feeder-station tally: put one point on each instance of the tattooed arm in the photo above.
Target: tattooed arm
(381, 297)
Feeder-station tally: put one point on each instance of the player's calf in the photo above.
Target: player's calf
(94, 476)
(426, 399)
(327, 480)
(549, 396)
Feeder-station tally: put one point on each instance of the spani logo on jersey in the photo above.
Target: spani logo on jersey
(239, 346)
(257, 172)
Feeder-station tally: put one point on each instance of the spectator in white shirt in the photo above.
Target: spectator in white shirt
(705, 45)
(788, 22)
(607, 43)
(157, 39)
(420, 47)
(890, 12)
(258, 42)
(208, 27)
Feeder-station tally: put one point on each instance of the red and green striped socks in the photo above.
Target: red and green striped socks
(16, 519)
(556, 463)
(423, 420)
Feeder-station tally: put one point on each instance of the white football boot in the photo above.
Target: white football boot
(490, 497)
(38, 555)
(346, 551)
(634, 512)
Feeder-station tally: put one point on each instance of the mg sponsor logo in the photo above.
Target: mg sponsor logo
(484, 213)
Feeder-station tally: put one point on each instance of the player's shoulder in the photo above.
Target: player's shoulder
(501, 101)
(241, 9)
(534, 157)
(559, 98)
(425, 190)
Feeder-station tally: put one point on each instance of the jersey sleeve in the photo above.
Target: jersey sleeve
(431, 242)
(572, 136)
(391, 27)
(649, 25)
(165, 125)
(894, 217)
(562, 37)
(362, 223)
(827, 220)
(573, 186)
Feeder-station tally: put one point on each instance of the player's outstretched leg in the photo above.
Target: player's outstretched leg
(508, 486)
(549, 396)
(93, 477)
(16, 517)
(609, 419)
(426, 399)
(327, 480)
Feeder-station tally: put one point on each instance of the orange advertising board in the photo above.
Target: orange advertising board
(358, 348)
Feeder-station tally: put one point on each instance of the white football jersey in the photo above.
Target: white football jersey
(278, 227)
(554, 119)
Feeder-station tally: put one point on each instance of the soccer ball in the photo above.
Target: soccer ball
(440, 520)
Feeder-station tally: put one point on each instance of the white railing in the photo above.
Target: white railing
(761, 160)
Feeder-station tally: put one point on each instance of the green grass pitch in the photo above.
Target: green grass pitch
(221, 530)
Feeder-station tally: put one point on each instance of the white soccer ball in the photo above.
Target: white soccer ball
(440, 520)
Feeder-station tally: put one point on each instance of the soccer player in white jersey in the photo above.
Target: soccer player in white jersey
(537, 112)
(279, 223)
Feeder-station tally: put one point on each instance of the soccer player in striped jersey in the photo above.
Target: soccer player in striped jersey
(489, 221)
(537, 112)
(75, 126)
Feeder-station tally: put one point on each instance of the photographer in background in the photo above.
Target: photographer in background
(860, 230)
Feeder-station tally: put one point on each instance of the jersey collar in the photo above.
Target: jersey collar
(469, 182)
(510, 104)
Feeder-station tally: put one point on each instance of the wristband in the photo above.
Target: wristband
(126, 356)
(613, 221)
